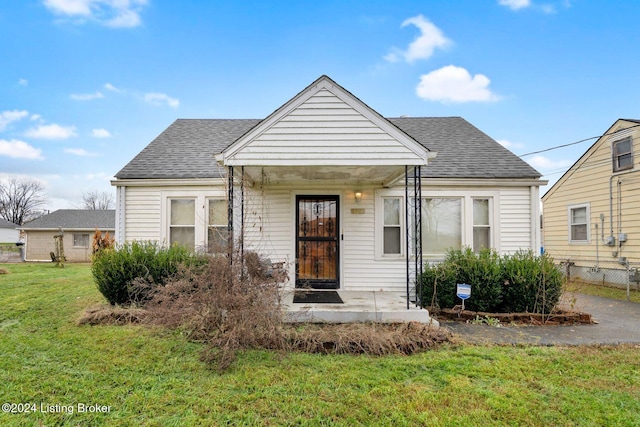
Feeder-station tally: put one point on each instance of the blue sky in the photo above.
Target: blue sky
(86, 84)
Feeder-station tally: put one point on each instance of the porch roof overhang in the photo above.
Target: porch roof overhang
(377, 175)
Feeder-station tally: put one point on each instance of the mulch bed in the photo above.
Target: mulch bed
(557, 318)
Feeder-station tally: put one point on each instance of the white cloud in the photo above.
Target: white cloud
(510, 145)
(543, 163)
(23, 82)
(19, 150)
(430, 38)
(86, 96)
(52, 132)
(35, 117)
(112, 88)
(100, 133)
(515, 4)
(455, 84)
(160, 99)
(79, 152)
(111, 13)
(7, 117)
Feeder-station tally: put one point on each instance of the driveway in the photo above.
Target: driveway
(617, 322)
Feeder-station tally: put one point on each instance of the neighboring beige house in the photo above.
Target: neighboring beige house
(593, 212)
(325, 185)
(77, 226)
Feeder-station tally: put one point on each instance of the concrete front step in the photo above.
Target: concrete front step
(358, 306)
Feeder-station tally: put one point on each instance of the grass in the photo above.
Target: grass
(155, 378)
(604, 291)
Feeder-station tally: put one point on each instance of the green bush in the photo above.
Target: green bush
(521, 282)
(119, 272)
(531, 283)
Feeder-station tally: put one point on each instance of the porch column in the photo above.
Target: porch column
(230, 213)
(413, 233)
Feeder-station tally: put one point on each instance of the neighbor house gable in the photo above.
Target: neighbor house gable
(618, 129)
(325, 125)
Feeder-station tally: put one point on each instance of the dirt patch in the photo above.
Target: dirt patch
(555, 319)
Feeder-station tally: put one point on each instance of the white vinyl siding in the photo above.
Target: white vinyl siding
(515, 220)
(324, 130)
(142, 214)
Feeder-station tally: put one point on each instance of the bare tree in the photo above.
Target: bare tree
(97, 200)
(21, 200)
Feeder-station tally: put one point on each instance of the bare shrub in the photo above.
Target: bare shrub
(227, 305)
(112, 315)
(374, 339)
(236, 306)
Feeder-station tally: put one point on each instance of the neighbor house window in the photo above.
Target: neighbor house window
(622, 155)
(81, 240)
(392, 227)
(579, 224)
(441, 225)
(182, 223)
(481, 225)
(218, 225)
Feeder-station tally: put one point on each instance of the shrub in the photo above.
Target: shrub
(517, 283)
(531, 283)
(119, 272)
(229, 306)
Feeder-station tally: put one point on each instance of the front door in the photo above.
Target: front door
(317, 243)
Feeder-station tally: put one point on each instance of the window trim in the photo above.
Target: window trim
(570, 224)
(616, 156)
(466, 198)
(88, 245)
(201, 215)
(393, 226)
(208, 225)
(185, 226)
(484, 226)
(380, 195)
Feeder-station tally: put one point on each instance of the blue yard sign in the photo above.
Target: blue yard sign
(463, 292)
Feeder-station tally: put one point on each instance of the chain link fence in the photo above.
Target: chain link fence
(11, 253)
(605, 273)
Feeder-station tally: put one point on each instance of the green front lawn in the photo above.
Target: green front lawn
(154, 377)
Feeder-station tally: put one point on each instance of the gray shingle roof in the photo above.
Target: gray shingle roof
(186, 149)
(7, 224)
(463, 150)
(75, 219)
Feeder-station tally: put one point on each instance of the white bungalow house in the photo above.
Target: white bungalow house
(332, 190)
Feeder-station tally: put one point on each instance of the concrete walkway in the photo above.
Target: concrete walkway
(617, 322)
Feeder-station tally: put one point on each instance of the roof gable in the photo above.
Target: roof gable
(325, 125)
(617, 130)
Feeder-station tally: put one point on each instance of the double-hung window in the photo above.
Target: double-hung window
(481, 225)
(217, 225)
(622, 154)
(392, 227)
(579, 223)
(182, 229)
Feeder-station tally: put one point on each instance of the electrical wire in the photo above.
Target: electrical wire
(577, 142)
